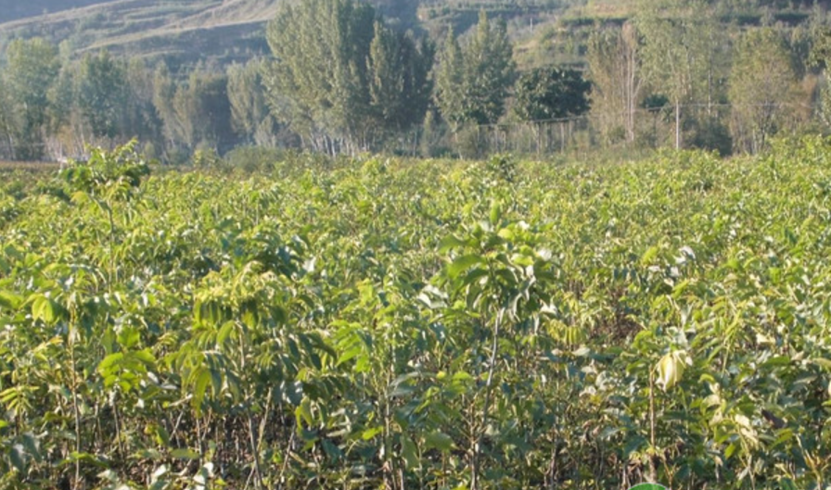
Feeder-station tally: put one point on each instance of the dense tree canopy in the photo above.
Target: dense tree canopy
(33, 67)
(474, 79)
(340, 77)
(762, 86)
(103, 94)
(551, 93)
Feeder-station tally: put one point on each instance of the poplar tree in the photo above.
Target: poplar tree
(680, 40)
(615, 69)
(450, 81)
(317, 81)
(32, 69)
(102, 94)
(341, 78)
(250, 114)
(8, 121)
(399, 82)
(473, 80)
(762, 84)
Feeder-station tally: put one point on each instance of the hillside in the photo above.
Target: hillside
(177, 31)
(33, 8)
(221, 30)
(224, 31)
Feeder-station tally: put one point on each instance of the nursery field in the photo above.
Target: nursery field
(393, 324)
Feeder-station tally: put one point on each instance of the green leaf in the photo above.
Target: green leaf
(671, 368)
(778, 361)
(463, 263)
(731, 449)
(496, 212)
(650, 255)
(110, 362)
(439, 440)
(409, 452)
(10, 300)
(129, 337)
(224, 333)
(44, 309)
(370, 434)
(203, 380)
(304, 411)
(823, 362)
(18, 458)
(451, 243)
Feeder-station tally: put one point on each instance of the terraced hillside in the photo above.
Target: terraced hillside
(222, 30)
(183, 31)
(21, 10)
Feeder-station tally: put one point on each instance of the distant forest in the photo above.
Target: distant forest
(342, 76)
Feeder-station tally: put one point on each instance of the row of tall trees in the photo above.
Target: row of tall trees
(52, 109)
(342, 80)
(724, 87)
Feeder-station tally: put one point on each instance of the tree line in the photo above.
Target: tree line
(341, 80)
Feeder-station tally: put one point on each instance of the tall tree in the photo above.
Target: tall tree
(317, 83)
(142, 121)
(203, 111)
(550, 93)
(102, 94)
(399, 81)
(164, 91)
(32, 68)
(450, 93)
(614, 66)
(678, 51)
(762, 84)
(67, 133)
(820, 58)
(8, 123)
(474, 80)
(250, 114)
(489, 70)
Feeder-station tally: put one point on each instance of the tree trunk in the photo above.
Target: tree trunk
(677, 126)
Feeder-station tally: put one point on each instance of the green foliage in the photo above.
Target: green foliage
(762, 87)
(399, 83)
(473, 80)
(376, 323)
(503, 167)
(551, 93)
(614, 67)
(32, 69)
(341, 78)
(207, 158)
(121, 170)
(102, 93)
(251, 116)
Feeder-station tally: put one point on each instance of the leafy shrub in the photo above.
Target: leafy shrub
(122, 167)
